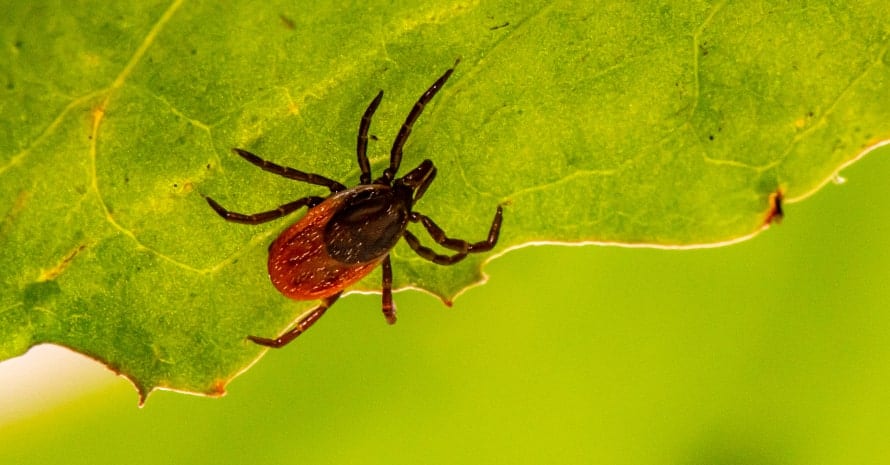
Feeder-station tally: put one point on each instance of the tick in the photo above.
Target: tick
(347, 234)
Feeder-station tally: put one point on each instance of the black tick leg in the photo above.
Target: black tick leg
(460, 246)
(395, 157)
(362, 144)
(263, 217)
(301, 326)
(389, 309)
(290, 173)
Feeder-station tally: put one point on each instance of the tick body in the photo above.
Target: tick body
(350, 232)
(337, 243)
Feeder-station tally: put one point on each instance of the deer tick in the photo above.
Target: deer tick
(347, 234)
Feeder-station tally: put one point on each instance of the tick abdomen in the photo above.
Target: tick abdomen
(299, 264)
(336, 243)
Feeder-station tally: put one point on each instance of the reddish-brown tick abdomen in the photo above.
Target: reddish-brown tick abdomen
(300, 266)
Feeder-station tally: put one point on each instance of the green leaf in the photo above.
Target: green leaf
(668, 125)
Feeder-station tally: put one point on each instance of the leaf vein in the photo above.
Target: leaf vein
(563, 180)
(823, 119)
(696, 70)
(18, 158)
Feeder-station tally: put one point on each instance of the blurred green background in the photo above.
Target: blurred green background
(772, 351)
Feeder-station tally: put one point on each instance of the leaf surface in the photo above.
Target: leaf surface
(669, 125)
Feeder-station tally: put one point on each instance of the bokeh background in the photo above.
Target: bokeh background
(771, 351)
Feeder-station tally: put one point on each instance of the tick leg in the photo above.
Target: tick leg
(430, 254)
(460, 246)
(362, 145)
(301, 326)
(389, 310)
(290, 173)
(263, 217)
(395, 158)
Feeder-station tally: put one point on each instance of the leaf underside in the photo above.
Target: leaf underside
(668, 125)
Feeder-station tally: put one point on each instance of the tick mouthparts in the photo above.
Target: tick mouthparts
(419, 176)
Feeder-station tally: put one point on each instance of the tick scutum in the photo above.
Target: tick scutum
(370, 223)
